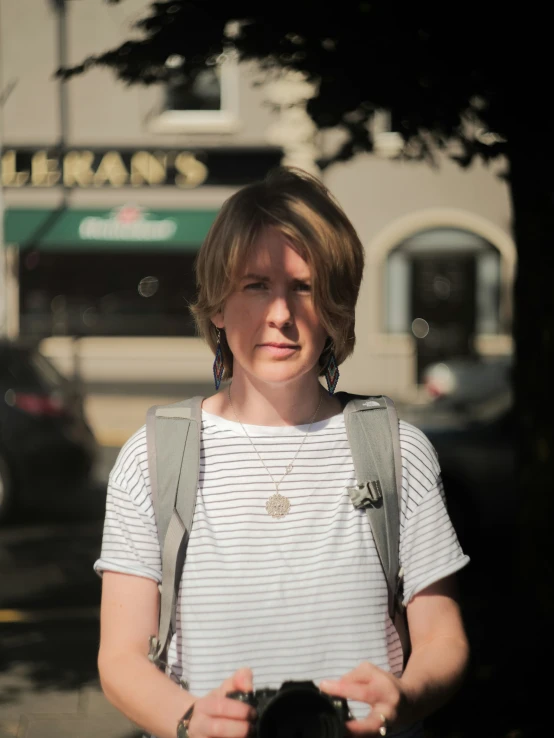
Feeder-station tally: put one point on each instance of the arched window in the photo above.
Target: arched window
(438, 265)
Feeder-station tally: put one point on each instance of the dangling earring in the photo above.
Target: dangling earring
(219, 367)
(332, 373)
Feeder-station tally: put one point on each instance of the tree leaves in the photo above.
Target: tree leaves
(432, 70)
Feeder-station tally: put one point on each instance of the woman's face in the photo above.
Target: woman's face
(270, 322)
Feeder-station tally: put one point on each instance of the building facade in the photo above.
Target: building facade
(109, 190)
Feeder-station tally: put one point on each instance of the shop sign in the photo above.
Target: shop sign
(127, 223)
(93, 168)
(85, 168)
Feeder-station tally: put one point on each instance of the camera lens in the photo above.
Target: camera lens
(300, 713)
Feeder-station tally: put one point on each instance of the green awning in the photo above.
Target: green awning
(125, 228)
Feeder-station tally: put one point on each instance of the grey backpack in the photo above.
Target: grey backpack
(173, 440)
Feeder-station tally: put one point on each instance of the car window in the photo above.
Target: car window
(46, 371)
(16, 368)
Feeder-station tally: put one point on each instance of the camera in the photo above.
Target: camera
(296, 710)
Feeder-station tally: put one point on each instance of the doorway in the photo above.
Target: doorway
(443, 307)
(443, 290)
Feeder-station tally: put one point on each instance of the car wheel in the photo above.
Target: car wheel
(6, 496)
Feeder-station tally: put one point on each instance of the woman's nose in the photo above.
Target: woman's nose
(279, 312)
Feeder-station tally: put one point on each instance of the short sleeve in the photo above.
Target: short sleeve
(130, 541)
(429, 547)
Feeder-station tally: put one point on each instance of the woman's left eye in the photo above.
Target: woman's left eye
(303, 287)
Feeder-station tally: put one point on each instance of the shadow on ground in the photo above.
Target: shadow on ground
(500, 696)
(50, 655)
(49, 601)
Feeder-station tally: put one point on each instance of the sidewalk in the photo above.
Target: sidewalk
(81, 713)
(114, 418)
(49, 633)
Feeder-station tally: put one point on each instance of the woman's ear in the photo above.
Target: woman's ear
(218, 321)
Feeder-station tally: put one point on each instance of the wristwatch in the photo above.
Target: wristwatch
(183, 724)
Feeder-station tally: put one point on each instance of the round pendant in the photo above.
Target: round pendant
(277, 506)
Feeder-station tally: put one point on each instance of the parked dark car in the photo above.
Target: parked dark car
(47, 449)
(470, 421)
(476, 450)
(463, 382)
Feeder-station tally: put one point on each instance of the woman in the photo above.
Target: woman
(265, 596)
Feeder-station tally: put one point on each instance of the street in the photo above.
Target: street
(49, 630)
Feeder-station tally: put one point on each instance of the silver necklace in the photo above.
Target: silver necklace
(278, 505)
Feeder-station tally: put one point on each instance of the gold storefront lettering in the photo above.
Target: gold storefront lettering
(148, 168)
(44, 171)
(10, 176)
(77, 168)
(111, 169)
(191, 172)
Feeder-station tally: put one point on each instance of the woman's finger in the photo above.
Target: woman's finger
(217, 705)
(243, 679)
(240, 681)
(366, 683)
(349, 690)
(377, 723)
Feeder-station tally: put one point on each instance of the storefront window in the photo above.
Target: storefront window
(111, 294)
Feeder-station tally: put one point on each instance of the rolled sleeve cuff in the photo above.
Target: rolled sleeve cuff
(103, 565)
(435, 576)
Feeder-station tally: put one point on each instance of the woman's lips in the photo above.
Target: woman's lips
(279, 349)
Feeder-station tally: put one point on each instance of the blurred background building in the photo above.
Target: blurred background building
(108, 192)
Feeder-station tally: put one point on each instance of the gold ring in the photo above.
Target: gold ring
(383, 728)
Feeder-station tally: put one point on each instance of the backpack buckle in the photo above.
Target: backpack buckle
(154, 646)
(399, 591)
(368, 494)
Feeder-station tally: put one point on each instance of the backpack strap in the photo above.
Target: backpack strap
(372, 430)
(173, 442)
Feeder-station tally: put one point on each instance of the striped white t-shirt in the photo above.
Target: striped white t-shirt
(301, 597)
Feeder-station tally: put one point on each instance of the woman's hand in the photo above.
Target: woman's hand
(379, 689)
(218, 716)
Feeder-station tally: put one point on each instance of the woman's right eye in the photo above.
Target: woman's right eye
(255, 286)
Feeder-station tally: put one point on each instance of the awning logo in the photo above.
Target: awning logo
(127, 223)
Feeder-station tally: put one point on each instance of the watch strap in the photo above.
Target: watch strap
(183, 724)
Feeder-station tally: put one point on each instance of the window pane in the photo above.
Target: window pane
(488, 292)
(202, 92)
(98, 294)
(397, 293)
(48, 373)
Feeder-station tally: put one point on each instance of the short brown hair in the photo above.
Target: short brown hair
(305, 212)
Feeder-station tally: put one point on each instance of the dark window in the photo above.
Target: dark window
(48, 374)
(106, 294)
(199, 92)
(444, 242)
(16, 367)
